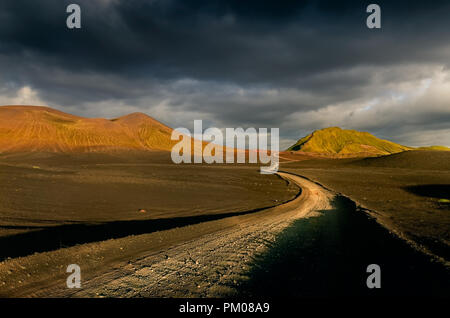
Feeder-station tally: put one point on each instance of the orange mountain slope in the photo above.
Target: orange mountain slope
(36, 128)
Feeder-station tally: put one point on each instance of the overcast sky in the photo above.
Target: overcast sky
(296, 65)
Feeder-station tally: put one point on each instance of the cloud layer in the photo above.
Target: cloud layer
(299, 66)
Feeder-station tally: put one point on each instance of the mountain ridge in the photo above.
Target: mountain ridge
(26, 128)
(41, 128)
(335, 141)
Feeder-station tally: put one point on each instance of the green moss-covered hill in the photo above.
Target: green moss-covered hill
(345, 143)
(438, 148)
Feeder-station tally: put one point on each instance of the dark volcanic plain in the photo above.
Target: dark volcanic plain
(54, 201)
(408, 191)
(41, 190)
(105, 210)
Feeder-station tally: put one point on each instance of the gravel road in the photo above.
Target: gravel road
(211, 265)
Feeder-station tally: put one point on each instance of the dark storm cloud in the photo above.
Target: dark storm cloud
(254, 41)
(259, 63)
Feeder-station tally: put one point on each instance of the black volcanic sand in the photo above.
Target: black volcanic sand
(52, 201)
(328, 255)
(49, 201)
(406, 190)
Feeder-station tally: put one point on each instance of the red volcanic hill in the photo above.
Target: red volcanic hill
(36, 128)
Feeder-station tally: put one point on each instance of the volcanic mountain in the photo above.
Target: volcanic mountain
(337, 142)
(37, 128)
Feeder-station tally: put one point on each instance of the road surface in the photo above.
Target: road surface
(211, 265)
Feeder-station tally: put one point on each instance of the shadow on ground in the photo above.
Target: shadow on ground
(327, 256)
(439, 191)
(55, 237)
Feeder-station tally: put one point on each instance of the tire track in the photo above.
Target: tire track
(212, 265)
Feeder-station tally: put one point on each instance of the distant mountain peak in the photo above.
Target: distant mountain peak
(136, 115)
(40, 128)
(338, 142)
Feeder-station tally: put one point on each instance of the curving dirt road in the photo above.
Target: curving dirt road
(211, 265)
(327, 255)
